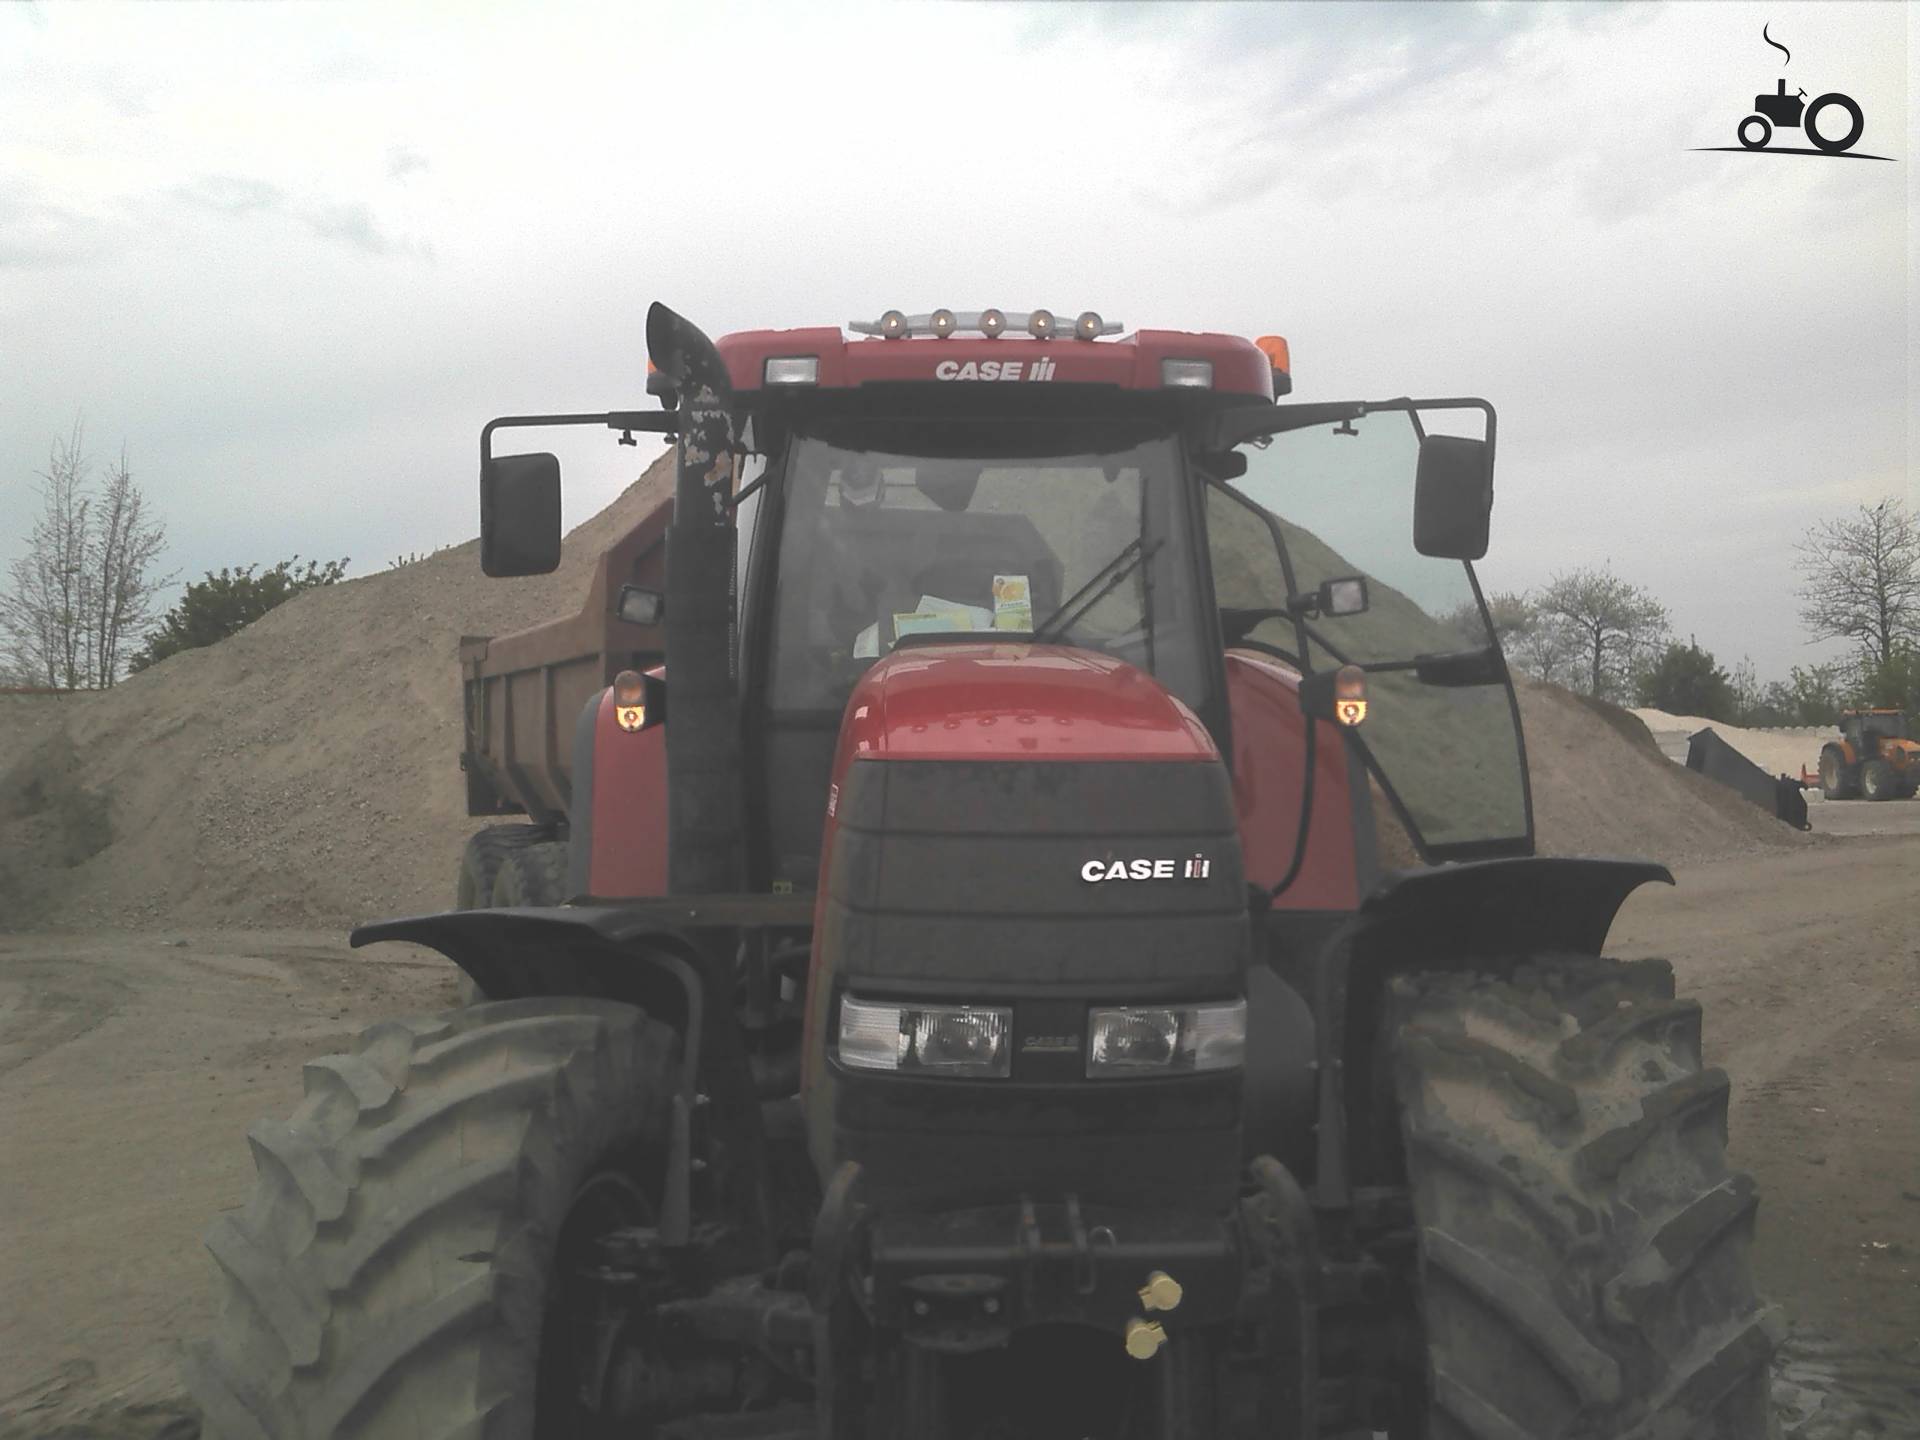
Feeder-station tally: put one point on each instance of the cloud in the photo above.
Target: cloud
(231, 194)
(350, 223)
(403, 160)
(35, 233)
(353, 225)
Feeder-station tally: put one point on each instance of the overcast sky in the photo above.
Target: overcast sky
(294, 255)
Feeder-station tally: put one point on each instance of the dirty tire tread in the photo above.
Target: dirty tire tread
(1585, 1268)
(480, 861)
(532, 875)
(387, 1277)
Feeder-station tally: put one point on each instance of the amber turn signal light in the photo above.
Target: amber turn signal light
(630, 700)
(1350, 695)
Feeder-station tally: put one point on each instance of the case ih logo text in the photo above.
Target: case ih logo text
(1194, 867)
(1041, 369)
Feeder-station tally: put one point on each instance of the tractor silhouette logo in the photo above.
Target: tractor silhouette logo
(1832, 122)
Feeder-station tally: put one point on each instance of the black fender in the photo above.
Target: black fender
(645, 954)
(1486, 916)
(1486, 909)
(609, 951)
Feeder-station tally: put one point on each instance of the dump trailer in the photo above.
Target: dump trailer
(1876, 757)
(945, 984)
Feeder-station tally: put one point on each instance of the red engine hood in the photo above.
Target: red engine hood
(1013, 701)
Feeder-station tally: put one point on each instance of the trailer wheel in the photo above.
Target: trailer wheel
(1836, 778)
(1877, 781)
(1584, 1248)
(390, 1276)
(480, 865)
(532, 875)
(481, 860)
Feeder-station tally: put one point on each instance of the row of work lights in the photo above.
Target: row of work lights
(1041, 324)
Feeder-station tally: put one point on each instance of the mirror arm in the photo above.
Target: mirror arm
(660, 422)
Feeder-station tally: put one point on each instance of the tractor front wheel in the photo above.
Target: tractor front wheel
(1584, 1264)
(1877, 781)
(393, 1275)
(1837, 779)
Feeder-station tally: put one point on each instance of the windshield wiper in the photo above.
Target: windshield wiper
(1086, 597)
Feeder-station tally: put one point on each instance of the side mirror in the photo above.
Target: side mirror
(640, 606)
(1452, 498)
(520, 515)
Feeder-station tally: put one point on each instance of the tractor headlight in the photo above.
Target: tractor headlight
(1134, 1040)
(961, 1040)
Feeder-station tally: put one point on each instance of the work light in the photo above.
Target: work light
(792, 370)
(1197, 373)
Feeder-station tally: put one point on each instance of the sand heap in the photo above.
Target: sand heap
(304, 772)
(1777, 750)
(1601, 786)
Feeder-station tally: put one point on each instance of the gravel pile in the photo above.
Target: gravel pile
(1602, 787)
(305, 771)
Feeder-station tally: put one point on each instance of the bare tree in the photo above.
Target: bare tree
(40, 611)
(85, 584)
(1608, 624)
(1861, 581)
(124, 590)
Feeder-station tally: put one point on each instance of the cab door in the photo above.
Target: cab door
(1396, 495)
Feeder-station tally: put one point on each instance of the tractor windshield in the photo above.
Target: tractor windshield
(893, 533)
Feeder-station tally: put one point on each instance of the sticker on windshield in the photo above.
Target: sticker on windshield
(930, 622)
(980, 617)
(1012, 603)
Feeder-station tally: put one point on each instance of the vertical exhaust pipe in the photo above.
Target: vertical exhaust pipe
(704, 809)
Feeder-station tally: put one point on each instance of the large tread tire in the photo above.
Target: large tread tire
(1838, 780)
(1585, 1266)
(1877, 781)
(532, 875)
(388, 1277)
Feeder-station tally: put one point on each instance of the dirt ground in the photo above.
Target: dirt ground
(131, 1065)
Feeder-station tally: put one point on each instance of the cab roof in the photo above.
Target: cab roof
(1154, 360)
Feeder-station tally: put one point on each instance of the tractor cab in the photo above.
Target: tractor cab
(948, 478)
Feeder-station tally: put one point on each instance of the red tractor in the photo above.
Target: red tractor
(948, 987)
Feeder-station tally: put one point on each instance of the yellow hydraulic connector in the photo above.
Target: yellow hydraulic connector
(1144, 1338)
(1161, 1292)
